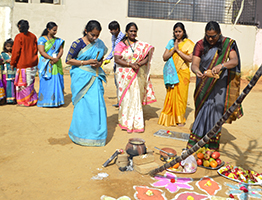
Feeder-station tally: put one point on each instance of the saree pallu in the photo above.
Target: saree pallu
(8, 77)
(135, 87)
(89, 122)
(24, 82)
(51, 76)
(214, 96)
(176, 98)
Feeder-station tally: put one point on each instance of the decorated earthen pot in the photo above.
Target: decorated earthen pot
(135, 147)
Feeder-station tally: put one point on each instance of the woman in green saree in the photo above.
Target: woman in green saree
(50, 68)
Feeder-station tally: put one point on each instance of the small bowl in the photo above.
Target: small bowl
(164, 157)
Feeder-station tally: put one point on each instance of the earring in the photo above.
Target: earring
(126, 35)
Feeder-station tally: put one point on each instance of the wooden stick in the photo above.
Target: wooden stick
(214, 130)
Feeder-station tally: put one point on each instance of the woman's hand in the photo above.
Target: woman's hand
(8, 61)
(199, 74)
(216, 69)
(134, 66)
(53, 60)
(94, 63)
(195, 67)
(176, 45)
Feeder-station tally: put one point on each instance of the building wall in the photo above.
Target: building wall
(5, 20)
(71, 18)
(258, 49)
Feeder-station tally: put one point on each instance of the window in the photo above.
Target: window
(192, 10)
(22, 1)
(46, 1)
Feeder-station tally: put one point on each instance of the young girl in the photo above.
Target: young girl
(8, 75)
(2, 90)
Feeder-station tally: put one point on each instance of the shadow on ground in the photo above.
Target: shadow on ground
(112, 122)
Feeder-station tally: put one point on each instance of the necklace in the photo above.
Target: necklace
(131, 46)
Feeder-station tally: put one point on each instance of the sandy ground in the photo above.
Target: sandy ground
(39, 161)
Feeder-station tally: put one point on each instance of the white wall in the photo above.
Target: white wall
(258, 49)
(5, 25)
(73, 15)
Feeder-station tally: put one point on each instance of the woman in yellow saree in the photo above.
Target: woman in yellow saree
(178, 55)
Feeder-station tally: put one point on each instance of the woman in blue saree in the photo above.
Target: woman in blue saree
(89, 121)
(50, 68)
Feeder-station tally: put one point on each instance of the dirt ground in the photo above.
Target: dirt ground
(38, 161)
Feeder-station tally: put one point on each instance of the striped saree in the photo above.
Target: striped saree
(214, 96)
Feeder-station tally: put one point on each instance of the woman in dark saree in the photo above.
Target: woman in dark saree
(214, 96)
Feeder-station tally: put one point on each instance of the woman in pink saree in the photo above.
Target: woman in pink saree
(133, 58)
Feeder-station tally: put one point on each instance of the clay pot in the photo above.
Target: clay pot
(164, 157)
(135, 147)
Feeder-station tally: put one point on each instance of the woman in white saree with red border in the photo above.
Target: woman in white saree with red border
(133, 58)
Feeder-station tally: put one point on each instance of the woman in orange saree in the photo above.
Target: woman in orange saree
(178, 55)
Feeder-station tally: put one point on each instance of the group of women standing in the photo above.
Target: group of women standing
(133, 59)
(20, 64)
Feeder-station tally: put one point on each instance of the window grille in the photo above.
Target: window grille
(193, 10)
(46, 1)
(22, 1)
(248, 15)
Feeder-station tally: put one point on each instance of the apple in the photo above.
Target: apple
(215, 155)
(209, 152)
(206, 157)
(211, 159)
(199, 162)
(218, 161)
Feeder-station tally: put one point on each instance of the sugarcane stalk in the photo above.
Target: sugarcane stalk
(215, 129)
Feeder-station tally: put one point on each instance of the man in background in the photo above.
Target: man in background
(117, 36)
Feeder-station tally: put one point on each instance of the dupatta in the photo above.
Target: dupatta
(51, 48)
(175, 62)
(205, 85)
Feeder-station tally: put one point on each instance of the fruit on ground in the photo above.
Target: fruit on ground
(218, 161)
(215, 155)
(206, 163)
(176, 165)
(213, 164)
(199, 161)
(200, 155)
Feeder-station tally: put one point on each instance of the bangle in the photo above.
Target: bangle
(128, 64)
(82, 62)
(178, 52)
(223, 66)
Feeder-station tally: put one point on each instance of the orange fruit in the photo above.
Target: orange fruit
(200, 155)
(213, 164)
